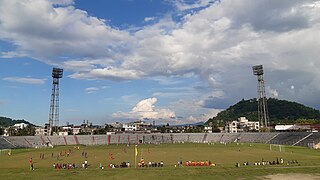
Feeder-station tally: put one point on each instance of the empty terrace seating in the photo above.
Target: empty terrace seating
(167, 138)
(159, 138)
(313, 139)
(70, 140)
(256, 137)
(214, 137)
(19, 141)
(133, 138)
(179, 138)
(4, 144)
(100, 139)
(288, 138)
(154, 138)
(35, 141)
(229, 137)
(86, 139)
(56, 140)
(196, 137)
(147, 139)
(114, 139)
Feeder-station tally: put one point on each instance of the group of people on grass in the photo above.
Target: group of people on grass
(122, 165)
(68, 166)
(263, 163)
(141, 163)
(199, 163)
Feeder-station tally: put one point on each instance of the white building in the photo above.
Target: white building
(129, 126)
(241, 125)
(137, 126)
(63, 133)
(283, 127)
(20, 125)
(41, 131)
(76, 130)
(208, 129)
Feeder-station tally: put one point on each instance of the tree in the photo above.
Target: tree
(100, 131)
(280, 111)
(1, 131)
(12, 131)
(27, 131)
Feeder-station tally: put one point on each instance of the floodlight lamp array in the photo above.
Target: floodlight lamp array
(257, 70)
(57, 73)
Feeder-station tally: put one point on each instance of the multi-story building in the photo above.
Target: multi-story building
(242, 125)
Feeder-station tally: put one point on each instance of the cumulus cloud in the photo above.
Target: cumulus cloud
(147, 19)
(218, 42)
(62, 2)
(183, 5)
(109, 73)
(202, 117)
(145, 109)
(91, 90)
(25, 80)
(62, 32)
(272, 92)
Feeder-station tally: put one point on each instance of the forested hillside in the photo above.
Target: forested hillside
(280, 111)
(6, 122)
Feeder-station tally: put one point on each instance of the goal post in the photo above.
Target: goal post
(277, 147)
(5, 152)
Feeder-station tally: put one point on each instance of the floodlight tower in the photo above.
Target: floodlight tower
(54, 105)
(263, 116)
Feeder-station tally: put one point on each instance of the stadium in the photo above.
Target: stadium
(231, 156)
(194, 57)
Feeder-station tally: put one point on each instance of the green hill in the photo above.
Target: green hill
(6, 122)
(280, 111)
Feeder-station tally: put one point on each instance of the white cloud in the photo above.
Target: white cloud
(183, 5)
(62, 2)
(203, 117)
(62, 32)
(25, 80)
(12, 54)
(109, 73)
(105, 87)
(147, 19)
(273, 92)
(218, 42)
(91, 90)
(145, 109)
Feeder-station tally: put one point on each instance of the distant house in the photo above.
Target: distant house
(140, 126)
(63, 133)
(242, 125)
(283, 127)
(294, 127)
(20, 125)
(76, 130)
(208, 129)
(129, 126)
(41, 131)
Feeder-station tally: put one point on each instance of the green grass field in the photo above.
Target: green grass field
(16, 166)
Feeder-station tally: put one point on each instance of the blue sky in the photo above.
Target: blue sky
(177, 61)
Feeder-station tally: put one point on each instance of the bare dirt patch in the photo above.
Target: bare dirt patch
(292, 176)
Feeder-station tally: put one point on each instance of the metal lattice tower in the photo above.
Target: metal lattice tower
(54, 105)
(263, 115)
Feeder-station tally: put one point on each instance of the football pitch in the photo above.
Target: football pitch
(301, 161)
